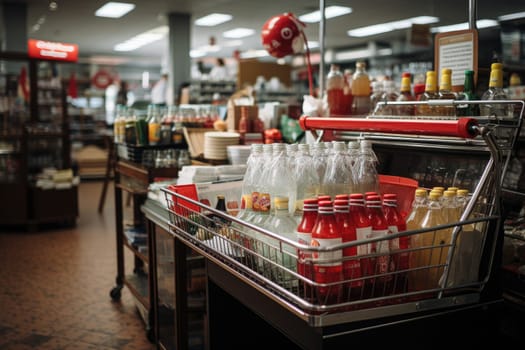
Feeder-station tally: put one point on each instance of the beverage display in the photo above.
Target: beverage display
(327, 266)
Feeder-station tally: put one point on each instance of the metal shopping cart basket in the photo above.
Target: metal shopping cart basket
(451, 266)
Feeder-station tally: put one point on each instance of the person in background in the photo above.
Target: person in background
(160, 90)
(219, 71)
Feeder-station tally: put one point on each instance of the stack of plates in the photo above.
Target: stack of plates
(216, 143)
(238, 154)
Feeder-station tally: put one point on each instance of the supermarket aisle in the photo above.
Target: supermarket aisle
(54, 289)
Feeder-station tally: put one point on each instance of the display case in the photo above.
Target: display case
(244, 277)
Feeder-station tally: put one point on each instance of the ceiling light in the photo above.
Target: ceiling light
(254, 54)
(213, 19)
(512, 16)
(142, 39)
(114, 9)
(390, 26)
(238, 33)
(329, 12)
(480, 24)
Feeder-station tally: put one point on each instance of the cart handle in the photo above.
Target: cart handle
(462, 127)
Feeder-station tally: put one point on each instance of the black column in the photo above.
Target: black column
(14, 27)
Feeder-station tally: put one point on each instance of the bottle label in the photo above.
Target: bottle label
(380, 246)
(264, 202)
(361, 234)
(330, 258)
(394, 243)
(154, 133)
(303, 238)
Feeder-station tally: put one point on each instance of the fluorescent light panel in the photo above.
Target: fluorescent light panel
(512, 16)
(329, 12)
(480, 24)
(390, 26)
(238, 33)
(114, 9)
(213, 19)
(142, 39)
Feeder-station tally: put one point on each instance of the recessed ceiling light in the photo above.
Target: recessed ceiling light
(390, 26)
(142, 39)
(114, 9)
(238, 33)
(329, 12)
(213, 19)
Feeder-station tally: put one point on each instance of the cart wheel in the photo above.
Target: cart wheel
(150, 334)
(115, 293)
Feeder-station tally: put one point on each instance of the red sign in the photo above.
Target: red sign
(49, 50)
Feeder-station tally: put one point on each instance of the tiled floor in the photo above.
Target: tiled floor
(55, 284)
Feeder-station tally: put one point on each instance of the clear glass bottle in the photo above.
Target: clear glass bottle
(445, 93)
(376, 95)
(308, 183)
(430, 93)
(335, 83)
(413, 222)
(495, 92)
(282, 223)
(339, 176)
(154, 121)
(366, 176)
(281, 180)
(405, 95)
(360, 90)
(389, 95)
(119, 125)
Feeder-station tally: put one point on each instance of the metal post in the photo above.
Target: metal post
(472, 14)
(321, 47)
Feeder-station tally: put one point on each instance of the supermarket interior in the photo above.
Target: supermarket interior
(327, 172)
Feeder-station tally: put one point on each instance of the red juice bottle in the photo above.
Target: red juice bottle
(382, 280)
(398, 246)
(304, 236)
(363, 230)
(327, 266)
(351, 265)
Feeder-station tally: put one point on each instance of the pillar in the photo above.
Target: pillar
(13, 31)
(179, 60)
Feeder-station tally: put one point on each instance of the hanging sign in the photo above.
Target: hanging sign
(49, 50)
(457, 50)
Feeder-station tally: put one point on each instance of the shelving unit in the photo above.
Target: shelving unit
(202, 91)
(134, 179)
(34, 136)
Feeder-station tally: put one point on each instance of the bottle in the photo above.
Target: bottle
(177, 128)
(319, 159)
(335, 83)
(119, 125)
(445, 93)
(398, 246)
(360, 90)
(153, 125)
(131, 133)
(339, 177)
(389, 95)
(141, 128)
(328, 265)
(348, 97)
(468, 94)
(281, 179)
(280, 252)
(384, 265)
(413, 222)
(253, 169)
(450, 210)
(220, 206)
(435, 242)
(375, 97)
(430, 93)
(495, 92)
(351, 264)
(304, 236)
(165, 128)
(366, 175)
(363, 229)
(307, 179)
(405, 95)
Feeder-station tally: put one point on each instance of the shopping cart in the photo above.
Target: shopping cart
(450, 267)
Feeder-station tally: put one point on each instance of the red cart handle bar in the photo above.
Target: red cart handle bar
(462, 127)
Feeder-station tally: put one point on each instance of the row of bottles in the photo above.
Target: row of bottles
(299, 171)
(361, 96)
